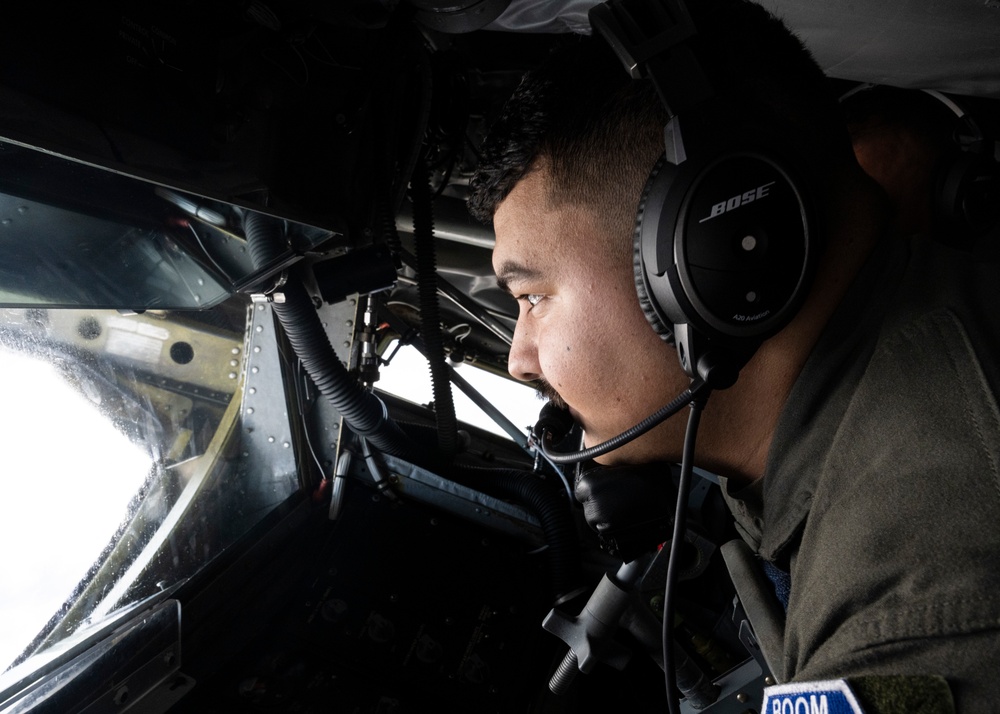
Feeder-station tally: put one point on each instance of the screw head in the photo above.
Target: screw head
(121, 696)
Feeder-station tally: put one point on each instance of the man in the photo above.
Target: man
(860, 447)
(932, 159)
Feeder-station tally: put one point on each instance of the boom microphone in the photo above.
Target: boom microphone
(554, 420)
(698, 389)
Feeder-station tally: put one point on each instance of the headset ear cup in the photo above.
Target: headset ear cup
(967, 191)
(727, 247)
(661, 328)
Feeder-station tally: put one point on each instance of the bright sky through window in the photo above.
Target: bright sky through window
(66, 478)
(408, 376)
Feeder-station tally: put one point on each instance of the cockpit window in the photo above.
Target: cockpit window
(408, 376)
(73, 235)
(131, 457)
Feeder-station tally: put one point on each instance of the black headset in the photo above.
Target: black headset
(725, 240)
(967, 177)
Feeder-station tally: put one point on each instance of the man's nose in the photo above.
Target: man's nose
(522, 361)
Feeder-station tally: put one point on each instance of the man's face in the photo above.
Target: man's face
(580, 328)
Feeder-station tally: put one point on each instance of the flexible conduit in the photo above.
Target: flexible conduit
(554, 515)
(364, 412)
(430, 311)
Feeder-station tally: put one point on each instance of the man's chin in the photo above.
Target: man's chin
(625, 455)
(618, 457)
(648, 447)
(592, 438)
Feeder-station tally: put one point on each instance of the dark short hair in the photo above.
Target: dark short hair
(598, 133)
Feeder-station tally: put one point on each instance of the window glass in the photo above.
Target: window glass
(408, 376)
(74, 235)
(130, 458)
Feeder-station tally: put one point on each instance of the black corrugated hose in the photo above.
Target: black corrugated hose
(554, 515)
(364, 412)
(430, 313)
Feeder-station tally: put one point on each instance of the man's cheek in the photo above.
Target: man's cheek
(562, 375)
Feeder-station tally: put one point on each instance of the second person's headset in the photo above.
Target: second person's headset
(725, 240)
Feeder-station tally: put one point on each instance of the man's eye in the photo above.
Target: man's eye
(531, 298)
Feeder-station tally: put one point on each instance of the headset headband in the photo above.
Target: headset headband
(724, 246)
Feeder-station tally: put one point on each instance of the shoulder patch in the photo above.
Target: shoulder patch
(828, 697)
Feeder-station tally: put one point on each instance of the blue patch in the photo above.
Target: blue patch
(831, 697)
(781, 580)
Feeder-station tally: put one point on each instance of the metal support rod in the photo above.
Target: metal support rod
(509, 427)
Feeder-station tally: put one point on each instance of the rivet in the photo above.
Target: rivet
(121, 696)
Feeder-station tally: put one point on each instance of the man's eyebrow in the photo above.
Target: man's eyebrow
(510, 271)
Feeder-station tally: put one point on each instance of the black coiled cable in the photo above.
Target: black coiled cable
(364, 412)
(430, 313)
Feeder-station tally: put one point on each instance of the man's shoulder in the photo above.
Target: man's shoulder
(903, 381)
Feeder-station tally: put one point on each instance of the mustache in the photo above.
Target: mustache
(547, 391)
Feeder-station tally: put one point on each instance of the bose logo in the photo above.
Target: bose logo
(738, 200)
